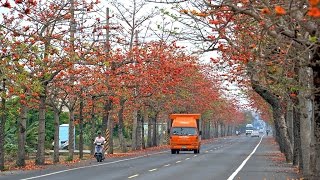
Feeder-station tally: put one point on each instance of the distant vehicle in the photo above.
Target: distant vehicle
(255, 133)
(237, 133)
(249, 129)
(261, 131)
(185, 134)
(64, 136)
(98, 152)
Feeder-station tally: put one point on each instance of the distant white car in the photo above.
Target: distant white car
(261, 131)
(255, 134)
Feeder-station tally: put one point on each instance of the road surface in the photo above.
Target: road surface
(228, 158)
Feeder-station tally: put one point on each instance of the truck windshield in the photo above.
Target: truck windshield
(249, 128)
(184, 131)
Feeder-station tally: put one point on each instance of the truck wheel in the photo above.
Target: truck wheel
(173, 151)
(177, 151)
(195, 151)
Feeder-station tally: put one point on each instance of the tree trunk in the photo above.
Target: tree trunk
(3, 119)
(316, 141)
(71, 134)
(216, 129)
(93, 126)
(56, 135)
(163, 135)
(296, 134)
(289, 120)
(123, 147)
(143, 119)
(139, 128)
(278, 117)
(134, 130)
(222, 130)
(306, 116)
(81, 128)
(154, 130)
(22, 124)
(280, 120)
(110, 128)
(149, 140)
(105, 118)
(40, 157)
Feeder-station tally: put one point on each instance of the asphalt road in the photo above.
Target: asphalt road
(223, 159)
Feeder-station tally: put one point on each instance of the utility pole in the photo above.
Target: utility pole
(107, 121)
(108, 32)
(72, 59)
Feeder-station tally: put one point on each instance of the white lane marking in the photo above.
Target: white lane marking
(153, 169)
(244, 162)
(207, 151)
(211, 150)
(167, 165)
(133, 176)
(215, 148)
(194, 155)
(187, 158)
(95, 165)
(178, 162)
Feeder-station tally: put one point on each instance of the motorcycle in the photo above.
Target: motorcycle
(98, 153)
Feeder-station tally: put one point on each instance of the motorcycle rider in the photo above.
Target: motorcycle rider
(102, 140)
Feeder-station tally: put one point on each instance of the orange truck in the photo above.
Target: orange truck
(185, 134)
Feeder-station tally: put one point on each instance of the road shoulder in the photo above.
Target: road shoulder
(268, 163)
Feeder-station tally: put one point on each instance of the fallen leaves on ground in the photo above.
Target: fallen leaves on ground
(30, 164)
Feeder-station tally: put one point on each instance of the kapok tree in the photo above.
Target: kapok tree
(42, 24)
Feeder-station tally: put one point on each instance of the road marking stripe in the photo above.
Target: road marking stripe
(207, 151)
(95, 165)
(152, 170)
(244, 162)
(187, 158)
(194, 155)
(167, 165)
(211, 150)
(133, 176)
(178, 162)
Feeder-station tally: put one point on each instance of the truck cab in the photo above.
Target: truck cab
(249, 129)
(185, 133)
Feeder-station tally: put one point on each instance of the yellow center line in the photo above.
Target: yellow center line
(133, 176)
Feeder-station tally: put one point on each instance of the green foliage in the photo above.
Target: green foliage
(313, 39)
(11, 128)
(69, 158)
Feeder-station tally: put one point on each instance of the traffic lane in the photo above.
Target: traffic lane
(212, 164)
(123, 170)
(117, 169)
(63, 170)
